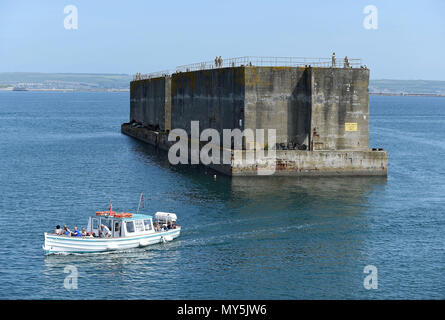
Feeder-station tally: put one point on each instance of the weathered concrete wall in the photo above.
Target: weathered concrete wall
(148, 101)
(326, 109)
(285, 163)
(215, 98)
(317, 163)
(160, 140)
(340, 96)
(279, 98)
(168, 104)
(305, 105)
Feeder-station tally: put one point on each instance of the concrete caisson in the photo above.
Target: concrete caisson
(323, 112)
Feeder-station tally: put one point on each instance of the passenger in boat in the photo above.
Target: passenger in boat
(156, 226)
(104, 232)
(84, 232)
(58, 230)
(76, 232)
(171, 225)
(66, 231)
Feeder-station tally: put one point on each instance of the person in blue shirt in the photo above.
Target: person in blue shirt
(66, 231)
(76, 232)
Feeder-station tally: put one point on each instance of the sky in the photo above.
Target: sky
(148, 36)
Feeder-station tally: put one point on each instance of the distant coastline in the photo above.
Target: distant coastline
(104, 82)
(128, 90)
(407, 94)
(66, 90)
(66, 82)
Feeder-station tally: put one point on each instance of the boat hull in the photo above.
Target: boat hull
(61, 244)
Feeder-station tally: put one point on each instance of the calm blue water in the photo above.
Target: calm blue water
(63, 157)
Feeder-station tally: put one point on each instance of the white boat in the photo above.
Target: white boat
(127, 231)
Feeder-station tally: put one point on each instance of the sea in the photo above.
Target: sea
(63, 156)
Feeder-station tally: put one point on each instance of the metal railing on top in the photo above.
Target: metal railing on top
(140, 76)
(256, 61)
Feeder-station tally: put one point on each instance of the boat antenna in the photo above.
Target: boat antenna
(111, 206)
(141, 199)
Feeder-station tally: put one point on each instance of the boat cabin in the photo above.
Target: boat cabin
(121, 225)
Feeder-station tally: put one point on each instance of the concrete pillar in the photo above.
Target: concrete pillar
(168, 103)
(310, 90)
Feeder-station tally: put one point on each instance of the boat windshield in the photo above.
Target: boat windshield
(130, 226)
(147, 224)
(139, 225)
(95, 224)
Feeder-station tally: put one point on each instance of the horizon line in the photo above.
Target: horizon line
(132, 74)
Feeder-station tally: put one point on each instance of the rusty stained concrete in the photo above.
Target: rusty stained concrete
(327, 109)
(285, 163)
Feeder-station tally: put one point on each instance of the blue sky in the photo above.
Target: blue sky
(145, 36)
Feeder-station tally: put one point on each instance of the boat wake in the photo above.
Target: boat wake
(225, 238)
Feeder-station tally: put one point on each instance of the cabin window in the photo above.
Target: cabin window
(95, 224)
(130, 226)
(147, 225)
(139, 225)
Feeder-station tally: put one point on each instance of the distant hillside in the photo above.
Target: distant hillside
(106, 82)
(407, 86)
(73, 81)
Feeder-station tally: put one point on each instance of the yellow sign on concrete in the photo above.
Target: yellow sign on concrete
(351, 126)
